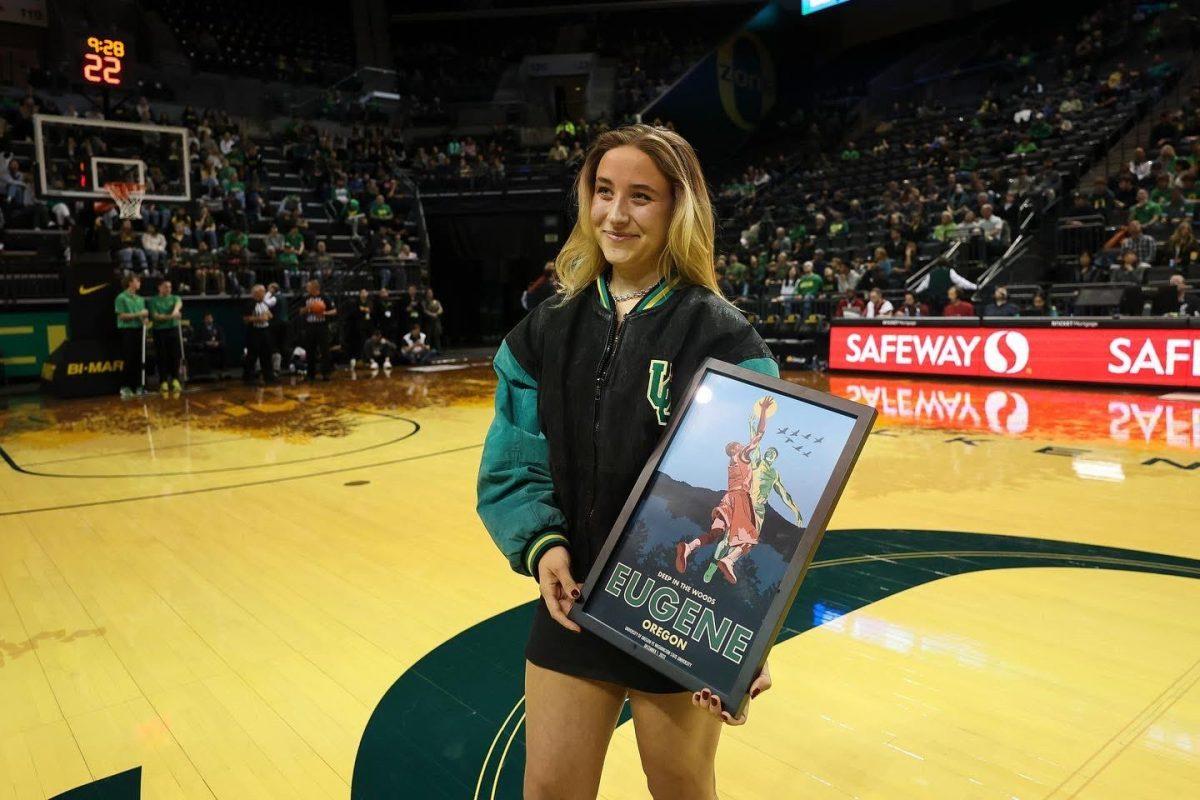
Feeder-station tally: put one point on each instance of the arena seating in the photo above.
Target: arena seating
(266, 40)
(1036, 133)
(1049, 115)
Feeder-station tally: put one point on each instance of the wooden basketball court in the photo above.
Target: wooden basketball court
(286, 593)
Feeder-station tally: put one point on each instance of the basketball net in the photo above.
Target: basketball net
(127, 197)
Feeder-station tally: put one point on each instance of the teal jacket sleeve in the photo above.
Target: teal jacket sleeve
(766, 366)
(514, 490)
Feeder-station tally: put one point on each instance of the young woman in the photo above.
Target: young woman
(575, 423)
(787, 290)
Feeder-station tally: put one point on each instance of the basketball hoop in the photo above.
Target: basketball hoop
(127, 197)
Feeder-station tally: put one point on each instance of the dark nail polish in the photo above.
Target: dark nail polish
(575, 593)
(754, 694)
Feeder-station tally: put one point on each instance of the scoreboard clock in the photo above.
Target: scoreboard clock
(103, 60)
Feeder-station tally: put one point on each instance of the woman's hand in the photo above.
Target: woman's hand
(708, 701)
(559, 589)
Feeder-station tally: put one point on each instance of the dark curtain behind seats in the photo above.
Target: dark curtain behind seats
(480, 265)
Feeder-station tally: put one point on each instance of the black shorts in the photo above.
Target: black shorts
(586, 655)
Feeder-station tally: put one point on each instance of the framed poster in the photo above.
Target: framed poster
(701, 567)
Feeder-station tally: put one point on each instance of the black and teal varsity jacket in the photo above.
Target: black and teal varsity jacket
(580, 407)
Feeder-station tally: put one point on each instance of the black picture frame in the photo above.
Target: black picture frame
(734, 696)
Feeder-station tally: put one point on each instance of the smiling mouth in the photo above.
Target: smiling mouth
(620, 237)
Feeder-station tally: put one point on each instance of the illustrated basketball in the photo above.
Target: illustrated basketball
(767, 402)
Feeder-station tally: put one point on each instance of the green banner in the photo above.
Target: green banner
(28, 338)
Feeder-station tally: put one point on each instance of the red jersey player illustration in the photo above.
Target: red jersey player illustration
(734, 524)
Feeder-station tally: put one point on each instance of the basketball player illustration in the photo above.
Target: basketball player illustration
(734, 524)
(766, 480)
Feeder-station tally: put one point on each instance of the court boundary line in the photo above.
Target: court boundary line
(1130, 732)
(12, 463)
(247, 484)
(492, 747)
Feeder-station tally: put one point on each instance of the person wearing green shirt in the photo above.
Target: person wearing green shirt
(354, 216)
(810, 283)
(1025, 146)
(839, 226)
(380, 211)
(131, 314)
(166, 309)
(288, 259)
(945, 231)
(808, 287)
(234, 235)
(1145, 211)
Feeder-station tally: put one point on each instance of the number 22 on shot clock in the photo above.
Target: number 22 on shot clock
(102, 61)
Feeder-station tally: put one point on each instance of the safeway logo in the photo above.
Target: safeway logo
(1150, 356)
(1006, 352)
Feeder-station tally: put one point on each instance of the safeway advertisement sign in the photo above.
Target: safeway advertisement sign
(1162, 357)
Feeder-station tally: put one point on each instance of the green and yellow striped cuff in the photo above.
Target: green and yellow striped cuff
(540, 545)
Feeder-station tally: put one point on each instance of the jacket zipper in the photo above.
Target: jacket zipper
(610, 352)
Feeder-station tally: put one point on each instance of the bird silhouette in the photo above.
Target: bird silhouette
(790, 440)
(806, 436)
(781, 430)
(818, 440)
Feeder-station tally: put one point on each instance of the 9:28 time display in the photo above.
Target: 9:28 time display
(102, 61)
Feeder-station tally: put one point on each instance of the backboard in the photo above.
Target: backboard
(76, 157)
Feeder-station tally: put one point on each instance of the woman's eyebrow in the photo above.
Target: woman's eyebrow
(631, 186)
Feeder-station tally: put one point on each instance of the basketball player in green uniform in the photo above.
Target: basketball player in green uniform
(765, 480)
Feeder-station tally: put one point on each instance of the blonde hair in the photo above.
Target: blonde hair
(688, 254)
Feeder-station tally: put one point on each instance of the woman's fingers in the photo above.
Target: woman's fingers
(556, 610)
(569, 587)
(559, 590)
(557, 605)
(706, 700)
(761, 683)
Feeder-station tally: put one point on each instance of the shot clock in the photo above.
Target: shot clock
(103, 60)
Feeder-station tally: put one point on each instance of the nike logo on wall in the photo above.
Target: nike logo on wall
(91, 289)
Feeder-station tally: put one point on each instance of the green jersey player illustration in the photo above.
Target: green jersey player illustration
(766, 480)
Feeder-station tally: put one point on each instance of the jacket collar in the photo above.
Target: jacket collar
(657, 295)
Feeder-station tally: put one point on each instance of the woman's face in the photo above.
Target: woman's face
(631, 207)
